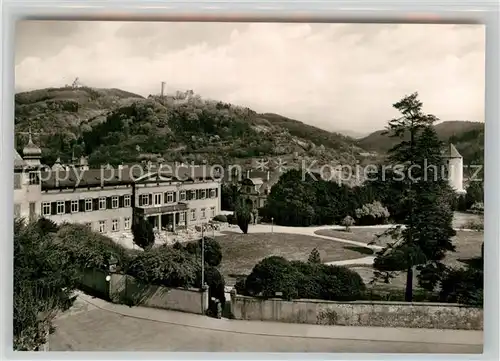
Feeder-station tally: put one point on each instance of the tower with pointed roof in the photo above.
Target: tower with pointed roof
(455, 169)
(32, 153)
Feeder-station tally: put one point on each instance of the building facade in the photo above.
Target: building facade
(110, 200)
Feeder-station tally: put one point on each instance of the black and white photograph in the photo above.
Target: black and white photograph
(248, 187)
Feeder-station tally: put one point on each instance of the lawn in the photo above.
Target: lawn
(240, 252)
(467, 243)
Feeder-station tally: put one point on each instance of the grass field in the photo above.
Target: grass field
(240, 252)
(467, 243)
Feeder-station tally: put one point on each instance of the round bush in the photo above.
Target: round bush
(271, 275)
(220, 218)
(339, 283)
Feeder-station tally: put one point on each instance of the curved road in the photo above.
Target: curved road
(95, 325)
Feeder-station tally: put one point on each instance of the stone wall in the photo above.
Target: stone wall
(358, 313)
(126, 289)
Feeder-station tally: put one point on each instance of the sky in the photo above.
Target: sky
(334, 76)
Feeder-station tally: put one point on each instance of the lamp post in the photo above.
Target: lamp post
(272, 224)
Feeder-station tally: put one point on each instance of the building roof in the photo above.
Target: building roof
(454, 152)
(31, 150)
(18, 160)
(78, 178)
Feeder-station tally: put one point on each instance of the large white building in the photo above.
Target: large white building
(108, 200)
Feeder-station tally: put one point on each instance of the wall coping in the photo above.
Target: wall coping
(190, 289)
(388, 303)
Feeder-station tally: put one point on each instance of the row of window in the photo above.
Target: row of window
(115, 225)
(156, 199)
(85, 205)
(203, 213)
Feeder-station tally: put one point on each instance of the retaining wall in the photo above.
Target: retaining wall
(126, 289)
(358, 313)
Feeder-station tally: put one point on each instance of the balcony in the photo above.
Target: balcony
(165, 209)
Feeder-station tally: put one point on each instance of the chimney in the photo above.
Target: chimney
(267, 176)
(248, 173)
(162, 89)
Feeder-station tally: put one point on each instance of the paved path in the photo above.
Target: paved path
(95, 325)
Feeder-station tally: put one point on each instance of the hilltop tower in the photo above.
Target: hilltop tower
(455, 170)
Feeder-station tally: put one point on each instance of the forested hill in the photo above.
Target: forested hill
(115, 126)
(468, 137)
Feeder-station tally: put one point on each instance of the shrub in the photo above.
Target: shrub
(464, 285)
(165, 266)
(398, 295)
(314, 257)
(477, 208)
(46, 226)
(213, 250)
(340, 283)
(372, 213)
(231, 219)
(89, 249)
(298, 279)
(348, 222)
(240, 286)
(220, 218)
(43, 281)
(307, 282)
(271, 275)
(215, 282)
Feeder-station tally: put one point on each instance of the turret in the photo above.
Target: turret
(32, 153)
(455, 170)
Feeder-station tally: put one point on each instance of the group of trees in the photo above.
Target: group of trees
(277, 277)
(49, 260)
(299, 199)
(411, 189)
(425, 234)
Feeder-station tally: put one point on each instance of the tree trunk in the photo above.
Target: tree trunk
(409, 285)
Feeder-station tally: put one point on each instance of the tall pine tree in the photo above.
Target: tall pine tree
(426, 236)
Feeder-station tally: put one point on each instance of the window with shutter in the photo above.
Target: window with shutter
(165, 197)
(67, 207)
(53, 208)
(108, 202)
(175, 196)
(120, 202)
(150, 198)
(95, 203)
(81, 205)
(140, 201)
